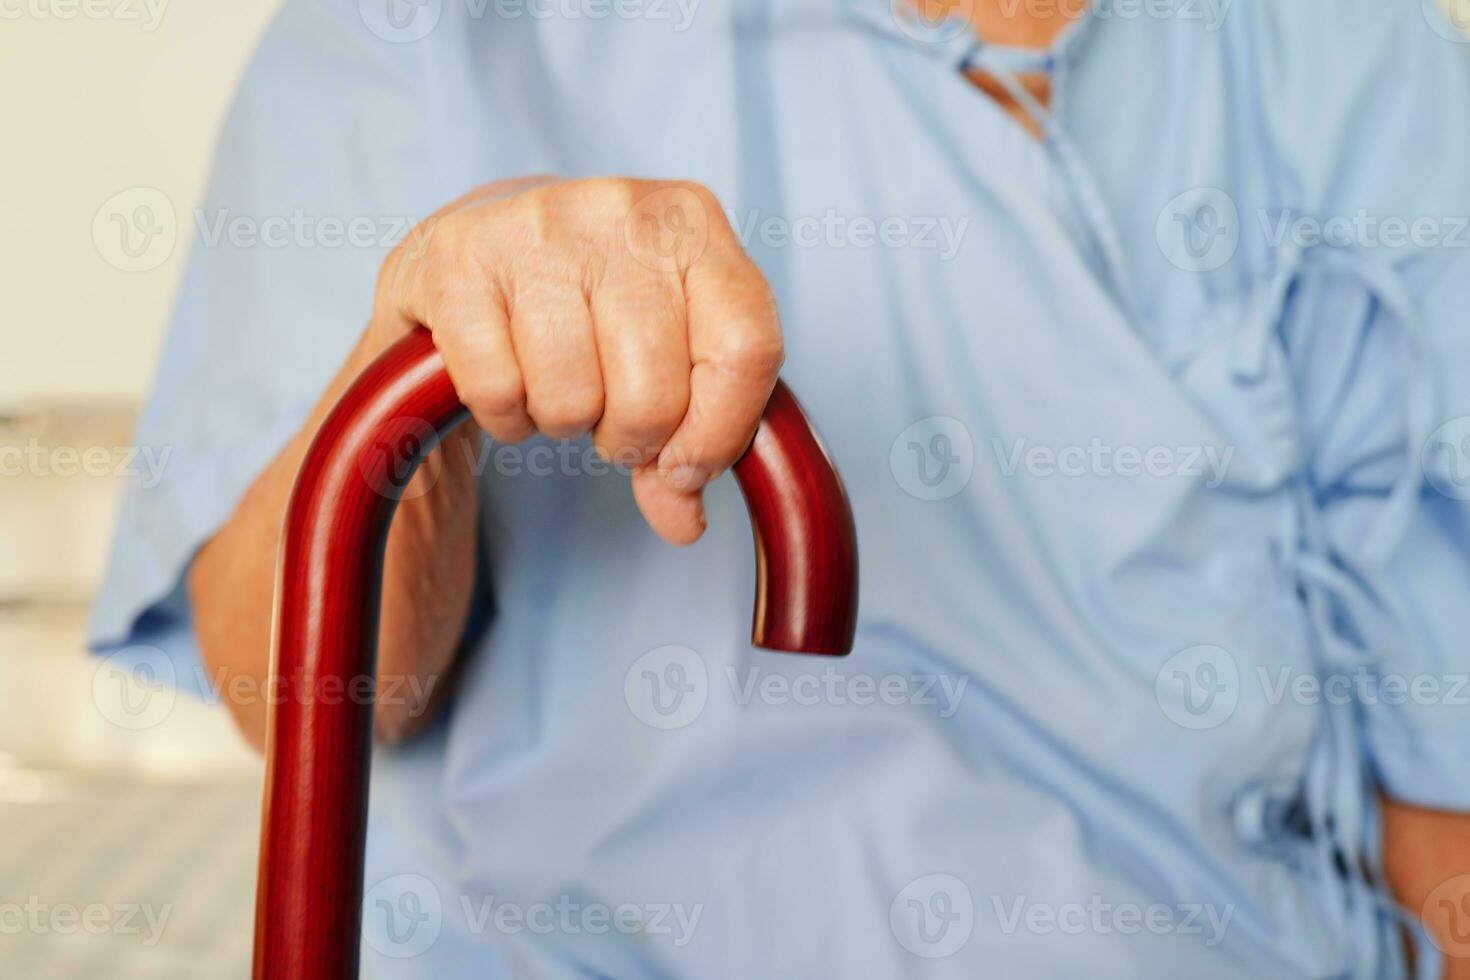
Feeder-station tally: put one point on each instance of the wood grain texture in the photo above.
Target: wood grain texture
(309, 891)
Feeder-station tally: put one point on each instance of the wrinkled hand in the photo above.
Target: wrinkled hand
(623, 308)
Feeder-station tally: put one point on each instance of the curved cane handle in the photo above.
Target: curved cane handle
(309, 891)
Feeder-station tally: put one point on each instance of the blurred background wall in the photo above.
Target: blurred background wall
(125, 851)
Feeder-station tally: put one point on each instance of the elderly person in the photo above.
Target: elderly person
(1137, 332)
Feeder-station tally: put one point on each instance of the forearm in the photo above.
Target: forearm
(557, 312)
(428, 578)
(1427, 862)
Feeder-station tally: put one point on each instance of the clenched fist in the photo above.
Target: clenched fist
(623, 308)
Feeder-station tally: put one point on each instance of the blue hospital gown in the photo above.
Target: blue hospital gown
(1157, 435)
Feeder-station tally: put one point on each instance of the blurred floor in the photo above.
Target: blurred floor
(122, 879)
(127, 839)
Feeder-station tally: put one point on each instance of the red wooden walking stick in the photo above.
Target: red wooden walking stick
(309, 890)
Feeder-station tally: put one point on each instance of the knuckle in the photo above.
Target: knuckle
(703, 193)
(648, 420)
(533, 217)
(447, 233)
(438, 270)
(615, 193)
(604, 206)
(403, 280)
(385, 288)
(753, 352)
(440, 247)
(433, 291)
(570, 412)
(494, 396)
(711, 213)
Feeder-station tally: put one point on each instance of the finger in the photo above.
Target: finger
(735, 349)
(675, 515)
(551, 328)
(478, 352)
(643, 351)
(446, 291)
(408, 256)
